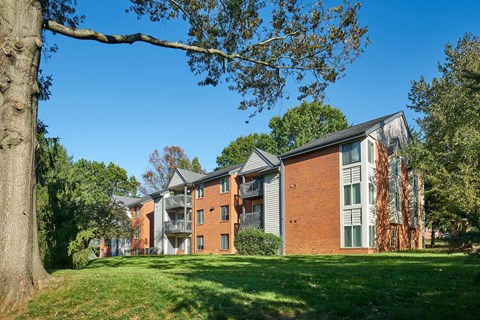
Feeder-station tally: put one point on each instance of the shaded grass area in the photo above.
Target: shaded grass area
(392, 286)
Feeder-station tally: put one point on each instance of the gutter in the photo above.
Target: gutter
(282, 205)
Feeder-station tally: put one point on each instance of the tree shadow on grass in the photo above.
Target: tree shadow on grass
(314, 287)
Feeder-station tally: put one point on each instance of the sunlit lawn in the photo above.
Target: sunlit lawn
(383, 286)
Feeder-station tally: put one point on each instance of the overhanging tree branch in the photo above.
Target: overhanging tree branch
(88, 34)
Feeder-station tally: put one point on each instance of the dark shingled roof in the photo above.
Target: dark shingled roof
(218, 173)
(358, 130)
(141, 200)
(122, 200)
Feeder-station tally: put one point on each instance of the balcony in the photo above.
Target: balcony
(178, 201)
(253, 189)
(178, 226)
(251, 220)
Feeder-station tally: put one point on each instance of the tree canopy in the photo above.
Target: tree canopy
(448, 149)
(162, 167)
(299, 125)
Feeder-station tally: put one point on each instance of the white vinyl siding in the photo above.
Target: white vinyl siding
(158, 223)
(253, 162)
(175, 181)
(271, 213)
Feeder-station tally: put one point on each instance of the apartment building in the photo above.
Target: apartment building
(348, 192)
(216, 211)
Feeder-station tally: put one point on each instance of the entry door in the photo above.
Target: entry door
(188, 245)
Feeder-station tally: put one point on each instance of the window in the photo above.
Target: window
(200, 244)
(200, 217)
(136, 252)
(225, 241)
(371, 194)
(224, 214)
(136, 233)
(352, 227)
(200, 191)
(371, 152)
(224, 185)
(393, 239)
(351, 153)
(137, 212)
(371, 236)
(351, 194)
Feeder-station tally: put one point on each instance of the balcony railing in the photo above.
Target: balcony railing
(251, 189)
(178, 226)
(251, 220)
(178, 201)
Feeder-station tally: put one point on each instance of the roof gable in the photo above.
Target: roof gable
(176, 180)
(259, 160)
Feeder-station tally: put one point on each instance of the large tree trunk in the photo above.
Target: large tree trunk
(21, 271)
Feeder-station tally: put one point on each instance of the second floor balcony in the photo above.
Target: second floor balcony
(178, 201)
(178, 226)
(251, 220)
(252, 189)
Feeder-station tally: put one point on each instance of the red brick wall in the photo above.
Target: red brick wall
(213, 228)
(144, 225)
(384, 227)
(312, 203)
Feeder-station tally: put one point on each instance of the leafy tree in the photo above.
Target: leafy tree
(305, 123)
(299, 125)
(253, 46)
(163, 166)
(76, 196)
(238, 151)
(447, 152)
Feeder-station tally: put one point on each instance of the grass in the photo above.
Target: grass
(380, 286)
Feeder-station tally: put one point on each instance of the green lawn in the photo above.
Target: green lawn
(380, 286)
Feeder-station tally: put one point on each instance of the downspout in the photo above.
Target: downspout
(185, 215)
(282, 205)
(243, 201)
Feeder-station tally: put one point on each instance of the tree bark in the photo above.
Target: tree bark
(21, 270)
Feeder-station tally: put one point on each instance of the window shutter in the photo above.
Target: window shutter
(357, 216)
(347, 217)
(356, 174)
(347, 176)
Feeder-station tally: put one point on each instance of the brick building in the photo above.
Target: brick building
(349, 192)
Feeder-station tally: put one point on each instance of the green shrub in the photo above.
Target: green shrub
(255, 242)
(80, 250)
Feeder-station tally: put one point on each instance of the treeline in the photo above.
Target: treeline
(74, 202)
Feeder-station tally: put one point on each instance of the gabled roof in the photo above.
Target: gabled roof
(219, 173)
(259, 160)
(273, 160)
(189, 176)
(356, 131)
(158, 193)
(122, 200)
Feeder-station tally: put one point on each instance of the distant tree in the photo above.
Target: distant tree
(163, 166)
(448, 151)
(305, 123)
(237, 151)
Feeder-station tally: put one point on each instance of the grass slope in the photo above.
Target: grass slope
(392, 286)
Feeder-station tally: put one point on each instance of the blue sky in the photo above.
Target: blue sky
(117, 103)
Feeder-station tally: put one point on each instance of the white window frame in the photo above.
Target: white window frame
(370, 152)
(359, 152)
(224, 188)
(227, 207)
(198, 216)
(136, 233)
(227, 235)
(202, 238)
(200, 195)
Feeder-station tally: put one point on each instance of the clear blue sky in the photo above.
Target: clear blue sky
(120, 102)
